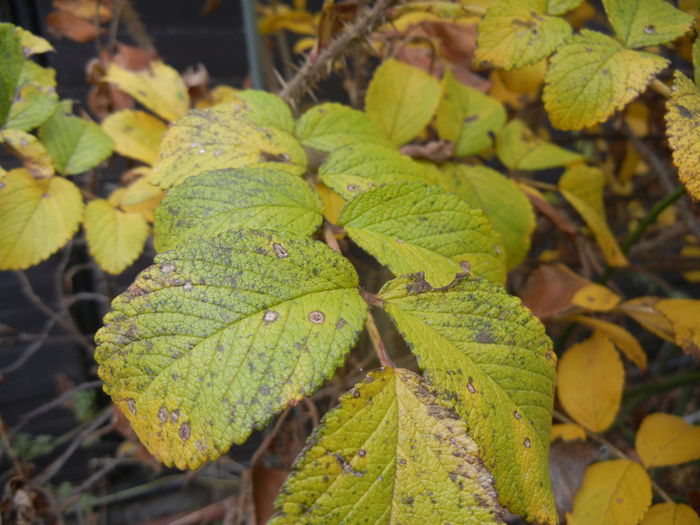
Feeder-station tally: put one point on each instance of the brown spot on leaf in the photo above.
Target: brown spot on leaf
(280, 251)
(163, 414)
(317, 317)
(184, 431)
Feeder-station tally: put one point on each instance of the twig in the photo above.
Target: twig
(314, 69)
(7, 446)
(661, 88)
(75, 494)
(377, 343)
(135, 27)
(29, 351)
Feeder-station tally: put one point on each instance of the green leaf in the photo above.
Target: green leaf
(516, 33)
(505, 206)
(560, 7)
(520, 149)
(327, 127)
(75, 144)
(11, 60)
(353, 169)
(411, 227)
(218, 201)
(593, 76)
(402, 99)
(266, 109)
(34, 99)
(221, 334)
(391, 452)
(696, 61)
(640, 23)
(223, 137)
(37, 217)
(467, 117)
(490, 358)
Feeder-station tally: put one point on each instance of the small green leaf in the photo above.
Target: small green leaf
(327, 127)
(505, 206)
(34, 99)
(11, 60)
(467, 117)
(223, 137)
(640, 23)
(520, 149)
(391, 452)
(266, 109)
(353, 169)
(411, 227)
(218, 201)
(75, 144)
(490, 358)
(402, 99)
(221, 334)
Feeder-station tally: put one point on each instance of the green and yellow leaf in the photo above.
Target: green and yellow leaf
(32, 152)
(34, 97)
(265, 109)
(560, 7)
(682, 117)
(136, 134)
(641, 23)
(32, 44)
(671, 514)
(665, 439)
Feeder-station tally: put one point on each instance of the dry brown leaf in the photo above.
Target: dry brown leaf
(64, 24)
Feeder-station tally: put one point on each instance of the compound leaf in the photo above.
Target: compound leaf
(220, 334)
(411, 227)
(222, 137)
(490, 358)
(136, 134)
(402, 99)
(391, 452)
(665, 439)
(219, 201)
(115, 238)
(670, 514)
(640, 23)
(520, 149)
(516, 33)
(682, 117)
(37, 217)
(593, 76)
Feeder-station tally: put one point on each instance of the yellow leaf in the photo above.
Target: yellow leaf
(568, 432)
(583, 188)
(637, 118)
(643, 310)
(37, 217)
(219, 95)
(115, 238)
(616, 492)
(670, 514)
(526, 80)
(621, 338)
(137, 134)
(593, 76)
(159, 88)
(332, 202)
(34, 155)
(665, 439)
(520, 149)
(590, 378)
(32, 44)
(593, 296)
(141, 197)
(683, 131)
(402, 99)
(515, 33)
(684, 315)
(691, 250)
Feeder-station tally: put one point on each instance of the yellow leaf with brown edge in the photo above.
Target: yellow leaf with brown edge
(136, 134)
(590, 379)
(643, 310)
(684, 315)
(568, 432)
(683, 131)
(615, 492)
(670, 514)
(35, 157)
(624, 341)
(665, 439)
(583, 187)
(159, 88)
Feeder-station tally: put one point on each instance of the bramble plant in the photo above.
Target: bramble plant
(262, 215)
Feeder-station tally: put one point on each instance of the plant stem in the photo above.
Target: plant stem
(661, 88)
(377, 343)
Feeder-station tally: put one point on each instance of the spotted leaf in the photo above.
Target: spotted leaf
(682, 117)
(640, 23)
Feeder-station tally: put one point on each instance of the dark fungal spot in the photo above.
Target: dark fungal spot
(184, 431)
(163, 414)
(650, 29)
(685, 112)
(527, 442)
(280, 251)
(132, 405)
(317, 317)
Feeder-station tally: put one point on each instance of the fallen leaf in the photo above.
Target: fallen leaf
(665, 439)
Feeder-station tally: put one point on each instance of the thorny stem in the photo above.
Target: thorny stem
(377, 343)
(600, 439)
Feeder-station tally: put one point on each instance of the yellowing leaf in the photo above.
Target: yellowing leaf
(624, 341)
(641, 23)
(505, 206)
(590, 379)
(665, 439)
(265, 109)
(402, 99)
(559, 7)
(141, 197)
(637, 118)
(682, 115)
(643, 310)
(220, 138)
(391, 452)
(32, 44)
(691, 250)
(37, 217)
(491, 360)
(219, 95)
(593, 76)
(34, 98)
(526, 80)
(224, 333)
(467, 117)
(136, 134)
(115, 238)
(696, 61)
(583, 188)
(515, 33)
(520, 149)
(159, 88)
(616, 492)
(683, 315)
(332, 202)
(32, 152)
(593, 296)
(412, 228)
(568, 432)
(670, 514)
